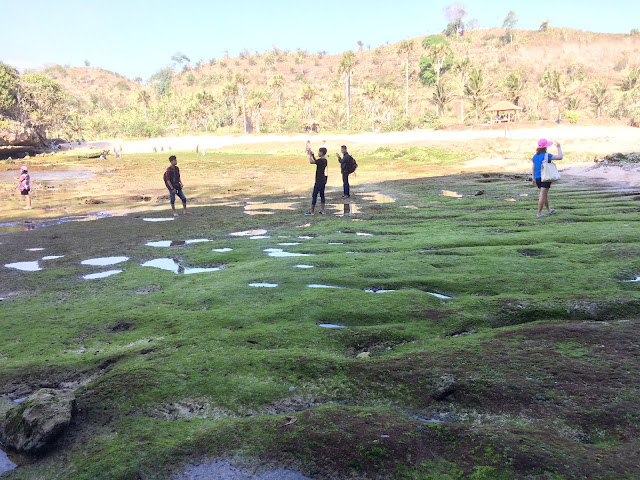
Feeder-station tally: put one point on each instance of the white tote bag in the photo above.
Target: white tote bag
(549, 171)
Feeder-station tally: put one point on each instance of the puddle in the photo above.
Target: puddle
(303, 266)
(450, 193)
(344, 209)
(263, 285)
(93, 276)
(25, 266)
(223, 470)
(429, 420)
(52, 257)
(410, 207)
(259, 237)
(196, 240)
(524, 194)
(262, 208)
(637, 279)
(330, 325)
(439, 295)
(509, 199)
(377, 290)
(222, 250)
(290, 244)
(362, 234)
(39, 249)
(5, 463)
(51, 176)
(377, 197)
(305, 237)
(19, 400)
(315, 285)
(280, 253)
(335, 243)
(166, 219)
(165, 243)
(248, 233)
(104, 261)
(171, 265)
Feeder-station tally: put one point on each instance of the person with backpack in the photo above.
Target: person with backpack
(174, 184)
(321, 180)
(348, 166)
(538, 159)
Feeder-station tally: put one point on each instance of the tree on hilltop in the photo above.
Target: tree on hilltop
(161, 81)
(509, 24)
(181, 60)
(8, 90)
(87, 63)
(544, 26)
(455, 14)
(348, 63)
(438, 59)
(406, 48)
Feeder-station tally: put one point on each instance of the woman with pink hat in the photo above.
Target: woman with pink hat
(24, 185)
(538, 159)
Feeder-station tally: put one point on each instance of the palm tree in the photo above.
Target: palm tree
(631, 80)
(145, 99)
(462, 67)
(406, 48)
(206, 100)
(242, 81)
(439, 53)
(307, 94)
(276, 83)
(347, 64)
(514, 84)
(389, 100)
(599, 96)
(371, 94)
(230, 92)
(441, 97)
(257, 100)
(475, 88)
(554, 88)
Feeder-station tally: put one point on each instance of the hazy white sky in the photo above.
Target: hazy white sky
(137, 37)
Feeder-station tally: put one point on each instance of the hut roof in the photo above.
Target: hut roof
(503, 106)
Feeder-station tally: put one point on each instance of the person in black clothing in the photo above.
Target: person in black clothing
(174, 184)
(346, 166)
(321, 180)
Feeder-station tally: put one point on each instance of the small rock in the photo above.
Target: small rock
(364, 355)
(33, 424)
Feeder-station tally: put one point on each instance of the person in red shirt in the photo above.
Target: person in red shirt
(174, 184)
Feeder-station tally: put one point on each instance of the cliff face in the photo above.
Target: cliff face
(14, 133)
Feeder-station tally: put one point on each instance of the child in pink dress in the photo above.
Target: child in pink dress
(24, 185)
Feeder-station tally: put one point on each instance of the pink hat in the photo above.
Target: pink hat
(24, 167)
(544, 143)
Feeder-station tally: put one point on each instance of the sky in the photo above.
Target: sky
(137, 38)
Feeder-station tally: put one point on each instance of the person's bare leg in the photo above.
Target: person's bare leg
(184, 209)
(28, 201)
(173, 207)
(322, 208)
(546, 200)
(541, 200)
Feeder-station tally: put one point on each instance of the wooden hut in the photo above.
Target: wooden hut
(505, 112)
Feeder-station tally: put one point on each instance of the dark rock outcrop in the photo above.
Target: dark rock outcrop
(14, 133)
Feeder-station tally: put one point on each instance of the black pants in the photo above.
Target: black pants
(345, 183)
(318, 188)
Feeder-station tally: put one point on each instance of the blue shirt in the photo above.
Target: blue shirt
(538, 159)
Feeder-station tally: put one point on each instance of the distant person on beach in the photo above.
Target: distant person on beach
(307, 148)
(320, 180)
(24, 185)
(538, 159)
(174, 184)
(346, 167)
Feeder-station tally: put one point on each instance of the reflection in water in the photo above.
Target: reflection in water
(172, 265)
(248, 233)
(377, 197)
(288, 244)
(279, 253)
(377, 290)
(262, 208)
(109, 273)
(438, 295)
(263, 285)
(315, 285)
(39, 249)
(345, 209)
(25, 266)
(222, 250)
(303, 266)
(104, 261)
(330, 325)
(5, 463)
(52, 257)
(167, 219)
(450, 193)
